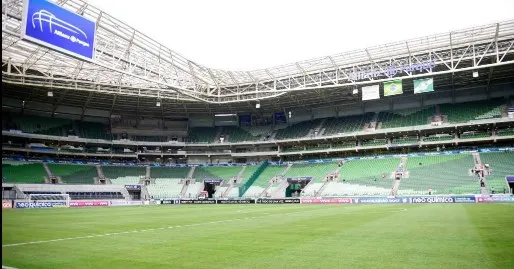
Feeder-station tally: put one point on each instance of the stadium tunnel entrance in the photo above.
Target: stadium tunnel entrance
(296, 185)
(210, 186)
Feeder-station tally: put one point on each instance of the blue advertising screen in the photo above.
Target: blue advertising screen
(280, 117)
(245, 120)
(55, 27)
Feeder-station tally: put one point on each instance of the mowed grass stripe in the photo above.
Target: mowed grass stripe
(324, 236)
(498, 242)
(181, 220)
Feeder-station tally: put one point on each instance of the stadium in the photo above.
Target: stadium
(118, 152)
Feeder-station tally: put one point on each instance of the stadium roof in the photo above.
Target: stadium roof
(129, 64)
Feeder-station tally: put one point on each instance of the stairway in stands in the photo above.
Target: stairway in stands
(399, 174)
(478, 163)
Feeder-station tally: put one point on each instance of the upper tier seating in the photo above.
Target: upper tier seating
(347, 124)
(43, 125)
(405, 140)
(438, 138)
(76, 174)
(297, 130)
(93, 130)
(406, 117)
(471, 135)
(23, 172)
(146, 138)
(202, 134)
(465, 112)
(444, 174)
(506, 132)
(235, 134)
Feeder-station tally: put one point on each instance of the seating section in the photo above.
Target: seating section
(145, 138)
(405, 140)
(75, 174)
(93, 130)
(444, 174)
(433, 138)
(248, 172)
(165, 188)
(235, 134)
(22, 172)
(216, 172)
(406, 117)
(317, 171)
(502, 165)
(374, 143)
(267, 175)
(126, 173)
(297, 130)
(472, 135)
(193, 190)
(506, 132)
(464, 112)
(169, 172)
(43, 125)
(202, 134)
(364, 177)
(348, 124)
(311, 189)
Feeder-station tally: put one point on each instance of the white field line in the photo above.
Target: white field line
(179, 226)
(146, 230)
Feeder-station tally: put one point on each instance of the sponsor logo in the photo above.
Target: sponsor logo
(419, 200)
(52, 25)
(133, 187)
(495, 199)
(236, 201)
(198, 202)
(6, 204)
(379, 200)
(40, 204)
(464, 199)
(278, 201)
(89, 203)
(328, 201)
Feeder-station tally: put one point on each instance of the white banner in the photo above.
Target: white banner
(370, 92)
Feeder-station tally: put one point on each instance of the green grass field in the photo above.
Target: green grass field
(262, 236)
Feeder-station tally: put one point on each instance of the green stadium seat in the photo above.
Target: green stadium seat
(406, 117)
(23, 172)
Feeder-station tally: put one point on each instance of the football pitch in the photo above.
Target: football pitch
(261, 236)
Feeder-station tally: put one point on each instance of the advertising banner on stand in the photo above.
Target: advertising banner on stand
(6, 203)
(495, 199)
(40, 204)
(430, 199)
(327, 201)
(89, 203)
(278, 201)
(378, 200)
